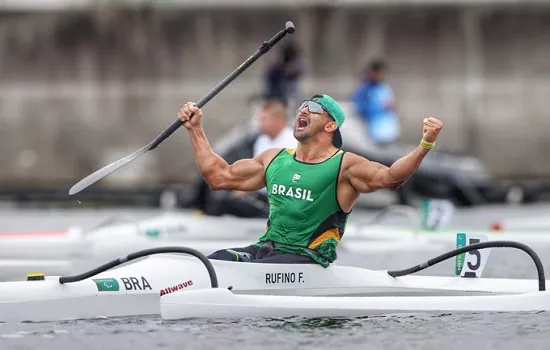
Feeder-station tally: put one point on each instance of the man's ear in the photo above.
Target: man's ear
(331, 126)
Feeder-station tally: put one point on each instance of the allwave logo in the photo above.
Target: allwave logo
(176, 287)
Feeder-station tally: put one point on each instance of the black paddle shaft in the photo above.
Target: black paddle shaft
(106, 170)
(264, 48)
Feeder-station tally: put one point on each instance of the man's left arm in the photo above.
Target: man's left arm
(367, 176)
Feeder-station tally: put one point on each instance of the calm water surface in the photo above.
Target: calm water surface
(478, 331)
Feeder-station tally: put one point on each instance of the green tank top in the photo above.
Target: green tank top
(304, 214)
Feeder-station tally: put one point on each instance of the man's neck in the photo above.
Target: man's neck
(314, 152)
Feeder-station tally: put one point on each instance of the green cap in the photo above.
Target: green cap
(335, 112)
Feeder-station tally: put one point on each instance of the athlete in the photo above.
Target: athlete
(311, 189)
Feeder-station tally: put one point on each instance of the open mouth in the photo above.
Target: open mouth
(302, 123)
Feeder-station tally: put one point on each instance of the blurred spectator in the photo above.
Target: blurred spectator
(282, 76)
(274, 128)
(374, 102)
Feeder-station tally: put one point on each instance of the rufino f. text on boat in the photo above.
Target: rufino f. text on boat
(284, 277)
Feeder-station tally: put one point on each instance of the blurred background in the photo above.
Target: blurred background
(86, 82)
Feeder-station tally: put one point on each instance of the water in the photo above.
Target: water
(440, 331)
(484, 331)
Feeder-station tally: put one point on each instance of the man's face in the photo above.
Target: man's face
(308, 124)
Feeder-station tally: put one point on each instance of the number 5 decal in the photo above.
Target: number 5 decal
(476, 254)
(473, 263)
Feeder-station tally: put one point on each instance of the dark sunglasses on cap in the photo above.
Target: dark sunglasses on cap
(313, 107)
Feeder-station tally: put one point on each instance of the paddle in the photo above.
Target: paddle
(101, 173)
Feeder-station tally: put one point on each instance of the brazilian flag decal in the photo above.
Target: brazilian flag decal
(107, 285)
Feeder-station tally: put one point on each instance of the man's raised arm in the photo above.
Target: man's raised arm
(367, 176)
(243, 175)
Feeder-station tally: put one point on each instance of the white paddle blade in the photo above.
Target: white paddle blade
(106, 170)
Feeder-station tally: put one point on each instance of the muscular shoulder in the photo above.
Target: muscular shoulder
(351, 159)
(267, 156)
(353, 164)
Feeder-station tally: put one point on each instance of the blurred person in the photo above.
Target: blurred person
(282, 77)
(311, 189)
(374, 101)
(274, 128)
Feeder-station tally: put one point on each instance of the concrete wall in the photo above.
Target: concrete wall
(80, 90)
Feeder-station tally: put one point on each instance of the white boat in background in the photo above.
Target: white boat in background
(158, 285)
(16, 269)
(528, 223)
(426, 227)
(185, 228)
(102, 250)
(445, 238)
(43, 245)
(81, 242)
(115, 237)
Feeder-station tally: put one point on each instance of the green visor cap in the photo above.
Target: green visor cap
(335, 112)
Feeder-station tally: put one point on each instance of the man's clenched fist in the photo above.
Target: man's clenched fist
(431, 129)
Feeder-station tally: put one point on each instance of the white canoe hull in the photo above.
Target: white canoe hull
(137, 288)
(222, 303)
(86, 306)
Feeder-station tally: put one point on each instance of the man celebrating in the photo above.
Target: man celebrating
(311, 189)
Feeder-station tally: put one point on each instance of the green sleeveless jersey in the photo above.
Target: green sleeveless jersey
(304, 214)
